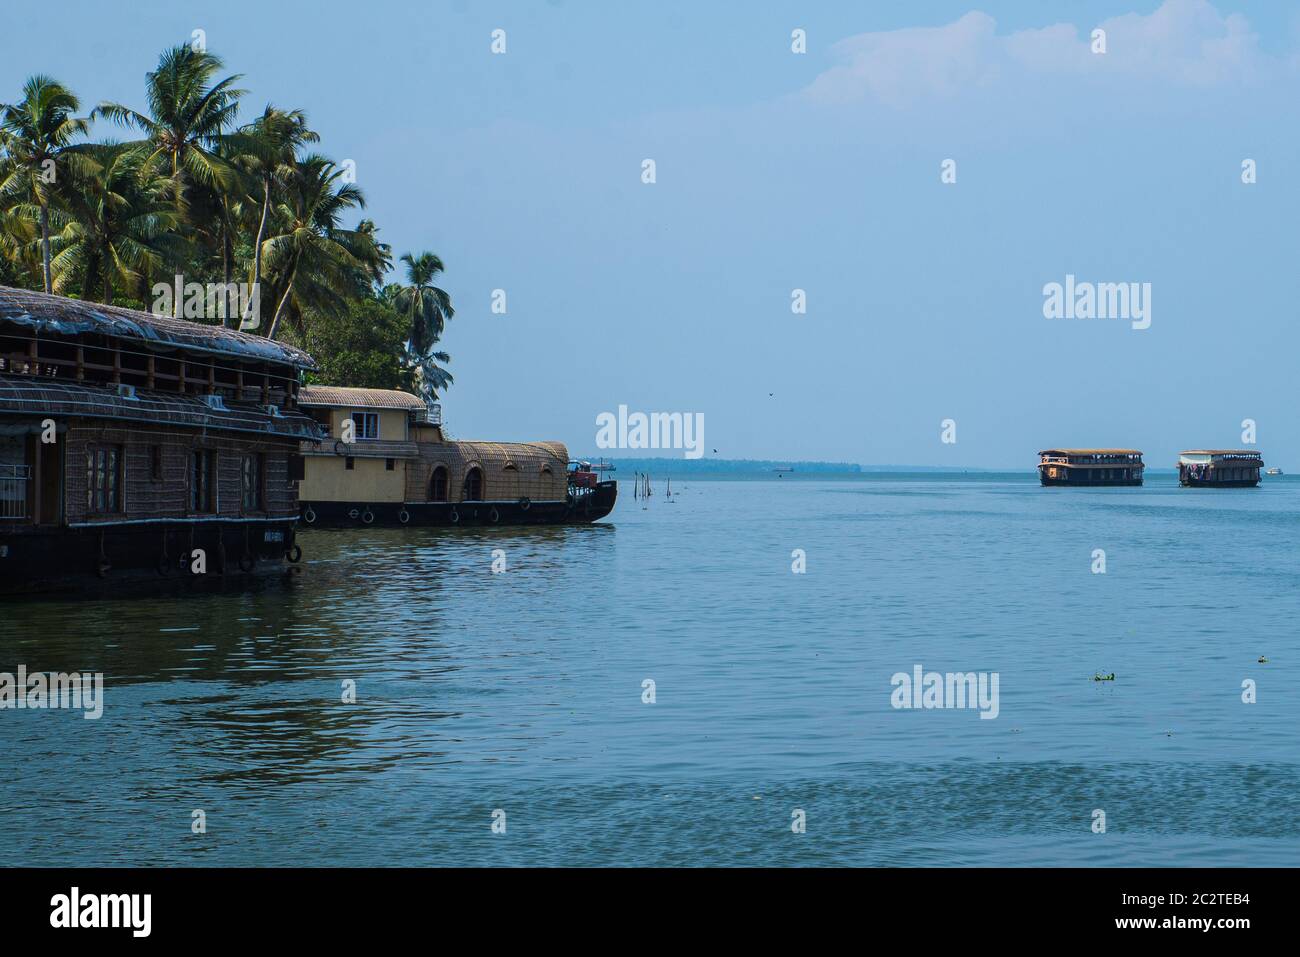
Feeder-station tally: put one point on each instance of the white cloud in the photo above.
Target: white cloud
(1184, 42)
(903, 65)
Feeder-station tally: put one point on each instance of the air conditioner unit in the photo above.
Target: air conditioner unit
(216, 402)
(126, 391)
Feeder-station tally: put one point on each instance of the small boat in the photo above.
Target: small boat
(1090, 467)
(1273, 471)
(1219, 468)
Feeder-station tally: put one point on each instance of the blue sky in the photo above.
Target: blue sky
(778, 171)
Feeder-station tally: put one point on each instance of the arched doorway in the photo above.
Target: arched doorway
(438, 484)
(473, 490)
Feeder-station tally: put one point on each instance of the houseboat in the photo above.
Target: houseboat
(1090, 467)
(384, 460)
(128, 441)
(1219, 468)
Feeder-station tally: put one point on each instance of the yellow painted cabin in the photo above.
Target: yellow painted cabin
(385, 458)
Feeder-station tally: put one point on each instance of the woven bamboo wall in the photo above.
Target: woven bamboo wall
(528, 478)
(146, 497)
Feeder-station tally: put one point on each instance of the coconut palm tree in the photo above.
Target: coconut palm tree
(117, 227)
(189, 112)
(38, 134)
(267, 149)
(310, 253)
(20, 259)
(426, 306)
(430, 377)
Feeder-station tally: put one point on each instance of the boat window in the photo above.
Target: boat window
(473, 489)
(367, 425)
(15, 476)
(203, 481)
(250, 478)
(438, 484)
(104, 478)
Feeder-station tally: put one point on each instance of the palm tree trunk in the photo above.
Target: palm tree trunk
(284, 302)
(257, 254)
(90, 281)
(45, 246)
(279, 311)
(180, 219)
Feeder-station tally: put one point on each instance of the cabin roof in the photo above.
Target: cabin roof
(25, 395)
(530, 456)
(335, 395)
(1090, 452)
(1250, 452)
(44, 313)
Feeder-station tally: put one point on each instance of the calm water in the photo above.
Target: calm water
(522, 691)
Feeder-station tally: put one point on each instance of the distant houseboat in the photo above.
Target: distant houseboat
(1273, 471)
(1090, 467)
(128, 441)
(384, 460)
(1219, 468)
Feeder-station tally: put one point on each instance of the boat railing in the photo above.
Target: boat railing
(431, 414)
(14, 481)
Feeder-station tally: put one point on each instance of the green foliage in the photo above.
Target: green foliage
(199, 195)
(362, 346)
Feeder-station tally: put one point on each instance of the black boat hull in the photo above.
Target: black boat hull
(1082, 483)
(36, 559)
(1203, 483)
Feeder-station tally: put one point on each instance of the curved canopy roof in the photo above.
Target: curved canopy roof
(62, 316)
(339, 396)
(1090, 452)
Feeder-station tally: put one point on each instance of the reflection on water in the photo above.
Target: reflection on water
(523, 690)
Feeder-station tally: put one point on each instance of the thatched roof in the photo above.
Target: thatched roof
(59, 315)
(1090, 452)
(511, 470)
(516, 453)
(340, 396)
